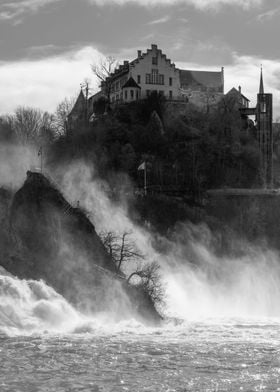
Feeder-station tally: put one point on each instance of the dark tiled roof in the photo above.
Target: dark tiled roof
(131, 83)
(201, 79)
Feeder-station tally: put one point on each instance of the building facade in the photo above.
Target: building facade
(153, 71)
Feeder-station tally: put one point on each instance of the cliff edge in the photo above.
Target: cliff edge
(51, 240)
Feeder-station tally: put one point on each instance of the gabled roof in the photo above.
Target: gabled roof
(131, 83)
(235, 92)
(212, 79)
(79, 104)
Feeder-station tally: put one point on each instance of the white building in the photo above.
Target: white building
(153, 71)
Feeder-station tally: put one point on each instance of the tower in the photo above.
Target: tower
(265, 136)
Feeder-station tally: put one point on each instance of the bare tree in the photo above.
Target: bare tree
(61, 113)
(7, 132)
(32, 125)
(103, 71)
(145, 275)
(120, 248)
(149, 280)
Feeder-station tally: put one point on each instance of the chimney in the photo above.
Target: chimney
(154, 47)
(139, 53)
(239, 89)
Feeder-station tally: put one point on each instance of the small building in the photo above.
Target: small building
(238, 99)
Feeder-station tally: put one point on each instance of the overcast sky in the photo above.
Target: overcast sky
(47, 46)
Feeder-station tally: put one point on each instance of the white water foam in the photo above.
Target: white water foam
(29, 306)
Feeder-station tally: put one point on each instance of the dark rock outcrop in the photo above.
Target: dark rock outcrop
(51, 240)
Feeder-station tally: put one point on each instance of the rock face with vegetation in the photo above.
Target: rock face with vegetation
(51, 240)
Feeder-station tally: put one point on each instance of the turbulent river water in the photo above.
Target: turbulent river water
(46, 345)
(224, 355)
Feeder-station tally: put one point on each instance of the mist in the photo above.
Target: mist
(15, 160)
(199, 283)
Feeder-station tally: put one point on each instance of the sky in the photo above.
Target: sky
(47, 46)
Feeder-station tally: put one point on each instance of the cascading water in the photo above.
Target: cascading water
(246, 286)
(227, 337)
(199, 284)
(222, 333)
(29, 306)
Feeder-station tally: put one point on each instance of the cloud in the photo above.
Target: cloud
(13, 9)
(44, 83)
(268, 15)
(160, 21)
(200, 4)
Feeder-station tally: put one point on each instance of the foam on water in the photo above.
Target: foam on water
(29, 306)
(32, 307)
(243, 290)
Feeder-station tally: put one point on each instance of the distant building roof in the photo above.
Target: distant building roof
(131, 83)
(96, 96)
(211, 79)
(234, 91)
(80, 104)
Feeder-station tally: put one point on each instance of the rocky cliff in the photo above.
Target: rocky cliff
(47, 238)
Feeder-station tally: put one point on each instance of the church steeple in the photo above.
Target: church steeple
(261, 91)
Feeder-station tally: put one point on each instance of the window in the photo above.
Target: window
(170, 81)
(170, 94)
(154, 60)
(160, 79)
(137, 94)
(148, 92)
(131, 94)
(263, 107)
(161, 93)
(138, 79)
(154, 77)
(117, 97)
(125, 95)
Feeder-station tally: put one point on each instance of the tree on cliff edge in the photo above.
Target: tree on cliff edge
(120, 248)
(150, 281)
(145, 275)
